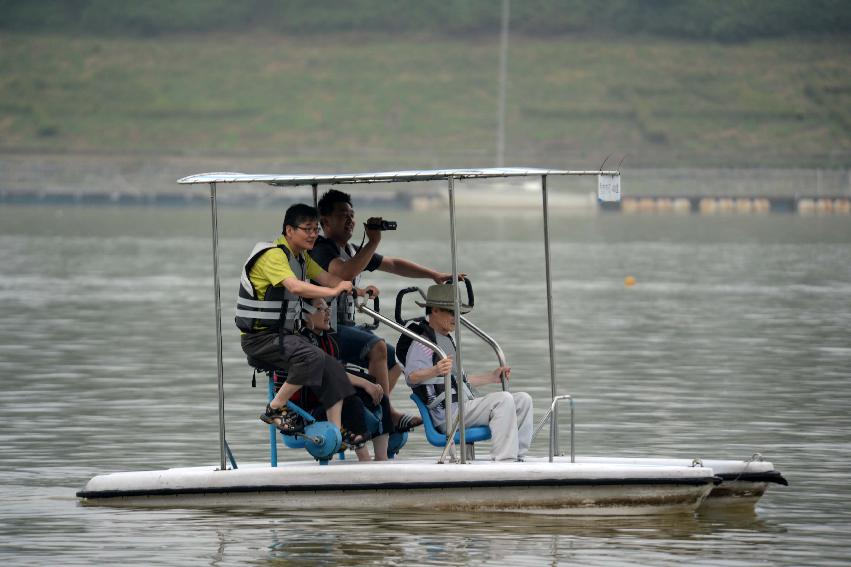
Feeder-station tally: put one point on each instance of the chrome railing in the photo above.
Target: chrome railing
(552, 416)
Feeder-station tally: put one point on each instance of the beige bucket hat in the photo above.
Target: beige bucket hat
(442, 296)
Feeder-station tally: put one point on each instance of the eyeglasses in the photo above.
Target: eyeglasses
(309, 229)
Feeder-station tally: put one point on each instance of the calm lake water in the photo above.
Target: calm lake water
(735, 339)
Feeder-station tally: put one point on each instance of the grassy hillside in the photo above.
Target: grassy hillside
(730, 20)
(422, 101)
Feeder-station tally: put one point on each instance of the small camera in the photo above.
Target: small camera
(382, 225)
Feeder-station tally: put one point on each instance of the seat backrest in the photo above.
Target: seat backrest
(438, 439)
(434, 436)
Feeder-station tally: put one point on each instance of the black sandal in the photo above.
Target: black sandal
(352, 440)
(288, 422)
(408, 422)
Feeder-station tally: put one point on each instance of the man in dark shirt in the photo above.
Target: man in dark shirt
(334, 253)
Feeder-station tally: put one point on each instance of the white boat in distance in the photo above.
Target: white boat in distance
(454, 481)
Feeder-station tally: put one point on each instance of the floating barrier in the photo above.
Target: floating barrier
(728, 205)
(705, 205)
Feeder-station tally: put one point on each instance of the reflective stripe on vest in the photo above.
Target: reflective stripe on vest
(279, 308)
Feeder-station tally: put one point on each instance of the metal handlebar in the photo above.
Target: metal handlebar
(397, 327)
(471, 300)
(399, 296)
(376, 307)
(500, 356)
(403, 292)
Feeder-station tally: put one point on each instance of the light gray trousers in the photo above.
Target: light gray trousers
(509, 416)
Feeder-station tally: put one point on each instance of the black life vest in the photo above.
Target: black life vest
(279, 310)
(431, 391)
(346, 302)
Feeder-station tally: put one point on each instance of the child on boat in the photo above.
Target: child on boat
(368, 394)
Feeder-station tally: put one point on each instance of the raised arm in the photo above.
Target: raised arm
(408, 269)
(349, 269)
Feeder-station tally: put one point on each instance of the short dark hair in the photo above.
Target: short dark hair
(298, 214)
(330, 198)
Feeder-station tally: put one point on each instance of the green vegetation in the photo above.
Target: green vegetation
(422, 101)
(725, 20)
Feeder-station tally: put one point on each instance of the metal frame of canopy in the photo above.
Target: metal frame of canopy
(448, 175)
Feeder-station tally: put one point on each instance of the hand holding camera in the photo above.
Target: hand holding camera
(377, 223)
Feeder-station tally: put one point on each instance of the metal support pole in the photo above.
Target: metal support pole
(315, 187)
(218, 301)
(503, 80)
(554, 420)
(273, 431)
(459, 378)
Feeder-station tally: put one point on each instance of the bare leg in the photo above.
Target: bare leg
(379, 445)
(363, 454)
(378, 369)
(284, 394)
(378, 366)
(393, 375)
(334, 414)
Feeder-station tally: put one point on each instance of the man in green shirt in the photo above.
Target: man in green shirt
(274, 282)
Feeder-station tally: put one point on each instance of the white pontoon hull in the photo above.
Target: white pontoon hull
(561, 488)
(742, 482)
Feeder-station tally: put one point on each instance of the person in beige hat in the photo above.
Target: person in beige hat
(508, 414)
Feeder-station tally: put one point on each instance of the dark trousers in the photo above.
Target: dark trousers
(305, 364)
(353, 414)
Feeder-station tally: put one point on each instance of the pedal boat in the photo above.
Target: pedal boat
(554, 484)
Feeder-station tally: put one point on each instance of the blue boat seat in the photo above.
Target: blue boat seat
(438, 439)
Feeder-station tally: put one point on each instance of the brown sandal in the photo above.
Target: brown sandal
(352, 440)
(287, 421)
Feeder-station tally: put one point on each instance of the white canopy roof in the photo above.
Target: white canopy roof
(380, 177)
